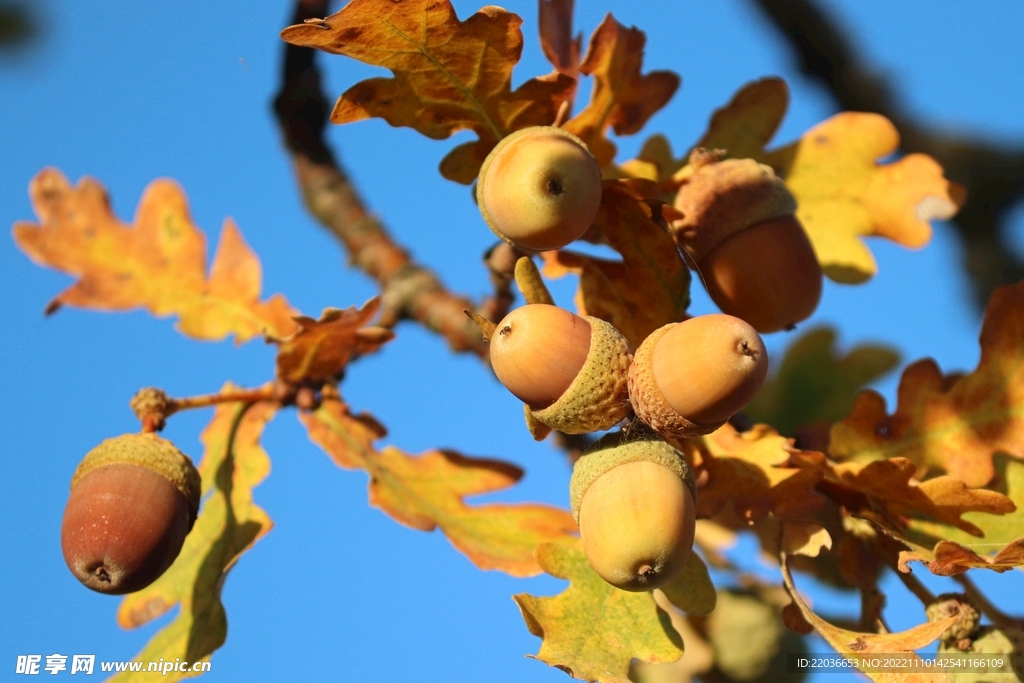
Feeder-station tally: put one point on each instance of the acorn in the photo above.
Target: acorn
(635, 503)
(740, 228)
(133, 500)
(539, 188)
(570, 371)
(689, 378)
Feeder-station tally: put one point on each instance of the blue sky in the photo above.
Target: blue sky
(338, 590)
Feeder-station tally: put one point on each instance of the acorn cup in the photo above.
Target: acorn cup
(569, 371)
(539, 188)
(635, 502)
(752, 253)
(133, 500)
(689, 378)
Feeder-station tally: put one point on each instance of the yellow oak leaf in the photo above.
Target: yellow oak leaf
(426, 492)
(859, 645)
(814, 383)
(449, 75)
(749, 476)
(321, 349)
(649, 287)
(229, 523)
(843, 194)
(954, 423)
(159, 263)
(622, 97)
(593, 630)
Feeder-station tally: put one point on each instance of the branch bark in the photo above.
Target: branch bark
(993, 172)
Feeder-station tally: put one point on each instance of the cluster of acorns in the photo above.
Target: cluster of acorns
(135, 497)
(632, 493)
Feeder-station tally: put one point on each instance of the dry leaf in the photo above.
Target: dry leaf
(861, 644)
(622, 97)
(804, 538)
(593, 630)
(556, 40)
(159, 263)
(953, 423)
(321, 349)
(843, 193)
(228, 525)
(426, 492)
(449, 75)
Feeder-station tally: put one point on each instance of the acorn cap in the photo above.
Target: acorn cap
(724, 197)
(152, 452)
(648, 401)
(617, 449)
(598, 397)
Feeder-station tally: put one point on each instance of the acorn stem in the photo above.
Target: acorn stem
(485, 325)
(531, 284)
(153, 406)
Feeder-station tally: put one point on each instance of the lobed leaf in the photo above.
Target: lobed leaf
(622, 97)
(426, 492)
(556, 39)
(649, 287)
(955, 423)
(228, 525)
(159, 263)
(843, 194)
(593, 630)
(861, 644)
(449, 75)
(320, 349)
(749, 476)
(814, 383)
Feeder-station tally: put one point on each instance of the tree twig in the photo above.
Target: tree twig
(992, 171)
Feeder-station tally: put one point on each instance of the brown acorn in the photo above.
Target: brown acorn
(689, 378)
(539, 188)
(570, 371)
(635, 503)
(133, 500)
(740, 228)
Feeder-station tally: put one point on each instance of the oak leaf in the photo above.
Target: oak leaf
(229, 523)
(554, 21)
(749, 476)
(159, 263)
(449, 75)
(815, 383)
(649, 287)
(426, 492)
(320, 349)
(954, 423)
(843, 194)
(593, 630)
(860, 644)
(622, 97)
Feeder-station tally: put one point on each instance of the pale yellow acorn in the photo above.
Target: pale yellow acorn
(739, 226)
(688, 378)
(570, 371)
(539, 188)
(635, 502)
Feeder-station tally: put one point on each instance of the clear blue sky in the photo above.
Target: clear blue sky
(338, 591)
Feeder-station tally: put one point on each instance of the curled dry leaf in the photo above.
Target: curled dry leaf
(449, 75)
(843, 194)
(954, 423)
(426, 492)
(228, 525)
(622, 98)
(860, 644)
(749, 476)
(593, 630)
(159, 263)
(649, 287)
(321, 349)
